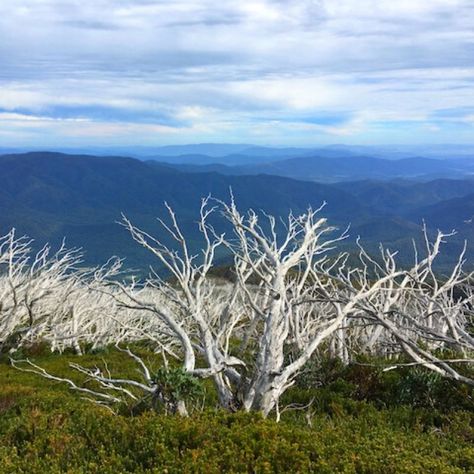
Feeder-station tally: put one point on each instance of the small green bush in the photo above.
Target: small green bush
(174, 385)
(44, 427)
(365, 380)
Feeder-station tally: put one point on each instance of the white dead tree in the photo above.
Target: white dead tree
(13, 260)
(34, 287)
(47, 296)
(291, 298)
(284, 314)
(186, 307)
(417, 312)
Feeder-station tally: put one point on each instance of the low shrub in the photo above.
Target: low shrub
(366, 380)
(44, 427)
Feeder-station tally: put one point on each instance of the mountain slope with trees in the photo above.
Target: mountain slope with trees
(51, 195)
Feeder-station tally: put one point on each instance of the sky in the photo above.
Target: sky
(280, 72)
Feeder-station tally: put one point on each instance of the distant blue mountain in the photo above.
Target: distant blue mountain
(329, 166)
(221, 151)
(52, 195)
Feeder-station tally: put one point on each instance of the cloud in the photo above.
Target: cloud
(237, 70)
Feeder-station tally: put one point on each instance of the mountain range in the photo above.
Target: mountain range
(50, 195)
(328, 167)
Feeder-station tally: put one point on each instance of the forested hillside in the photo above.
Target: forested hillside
(50, 196)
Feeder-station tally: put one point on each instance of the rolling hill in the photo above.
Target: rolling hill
(333, 168)
(52, 195)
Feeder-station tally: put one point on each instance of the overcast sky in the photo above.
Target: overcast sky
(300, 72)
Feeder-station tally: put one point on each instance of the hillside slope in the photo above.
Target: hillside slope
(51, 195)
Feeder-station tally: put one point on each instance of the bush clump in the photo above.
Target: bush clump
(44, 427)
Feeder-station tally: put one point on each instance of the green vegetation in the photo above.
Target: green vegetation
(175, 384)
(361, 420)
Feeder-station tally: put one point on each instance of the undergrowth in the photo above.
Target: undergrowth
(358, 419)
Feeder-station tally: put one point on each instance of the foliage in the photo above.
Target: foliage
(174, 385)
(420, 387)
(44, 427)
(366, 380)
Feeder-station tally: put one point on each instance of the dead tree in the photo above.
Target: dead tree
(293, 296)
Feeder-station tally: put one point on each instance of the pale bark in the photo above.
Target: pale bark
(292, 296)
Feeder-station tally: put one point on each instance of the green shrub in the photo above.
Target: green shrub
(365, 380)
(174, 385)
(44, 427)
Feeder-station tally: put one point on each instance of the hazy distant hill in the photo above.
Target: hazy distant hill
(400, 197)
(194, 161)
(331, 167)
(457, 213)
(51, 195)
(221, 151)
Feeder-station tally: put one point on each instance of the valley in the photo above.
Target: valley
(50, 196)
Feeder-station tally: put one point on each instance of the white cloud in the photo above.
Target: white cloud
(208, 67)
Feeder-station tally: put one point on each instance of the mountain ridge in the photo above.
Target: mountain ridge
(50, 195)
